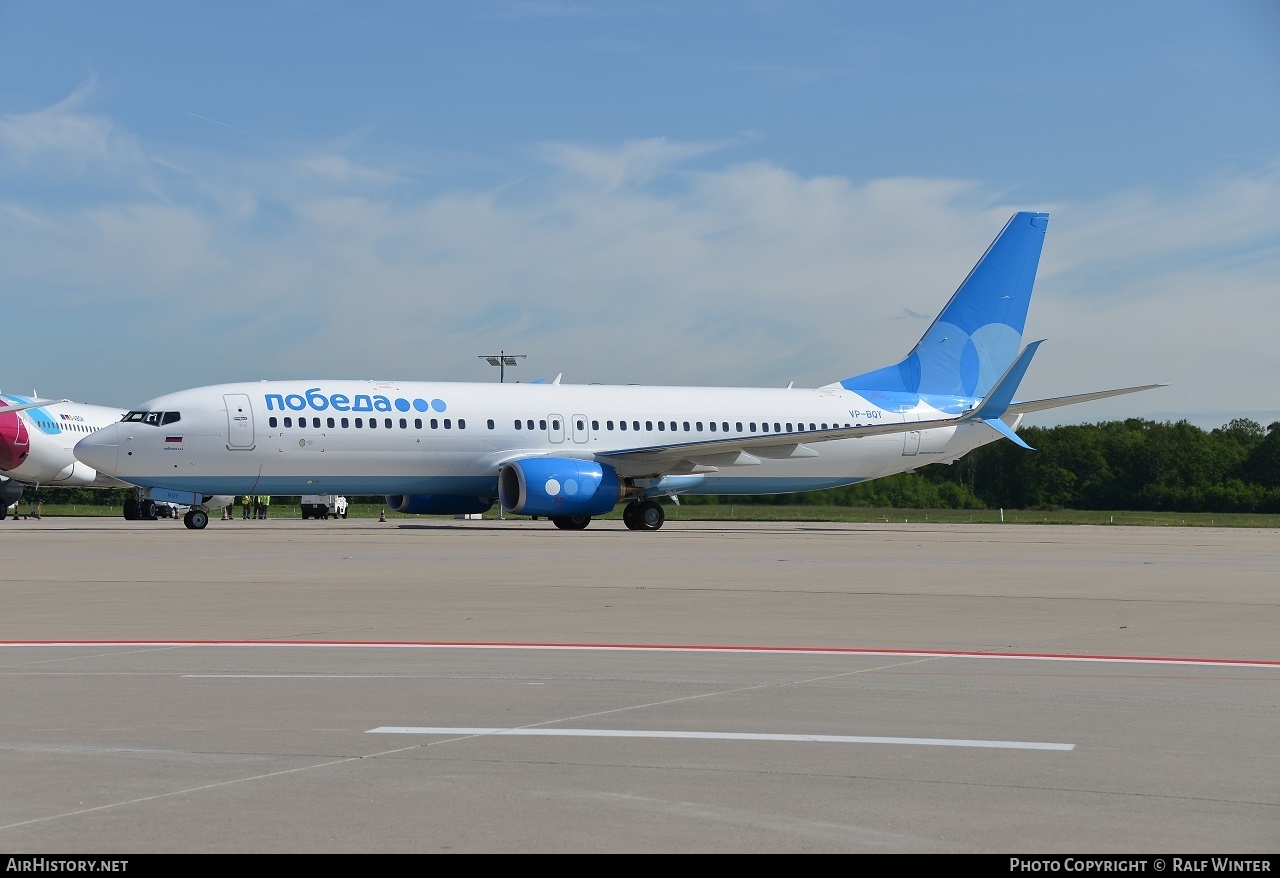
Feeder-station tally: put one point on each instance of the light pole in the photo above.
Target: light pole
(502, 360)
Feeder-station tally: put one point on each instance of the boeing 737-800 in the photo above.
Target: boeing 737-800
(571, 452)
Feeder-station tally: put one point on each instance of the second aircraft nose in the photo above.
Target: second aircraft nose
(100, 450)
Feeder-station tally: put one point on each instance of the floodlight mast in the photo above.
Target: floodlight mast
(502, 360)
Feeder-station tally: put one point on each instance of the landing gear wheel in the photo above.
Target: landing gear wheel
(147, 510)
(571, 522)
(630, 516)
(649, 515)
(131, 509)
(196, 519)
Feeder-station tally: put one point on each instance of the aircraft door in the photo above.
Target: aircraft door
(910, 439)
(555, 428)
(580, 425)
(239, 421)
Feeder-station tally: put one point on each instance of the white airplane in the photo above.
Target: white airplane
(36, 441)
(571, 452)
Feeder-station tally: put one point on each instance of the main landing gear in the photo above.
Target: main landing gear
(643, 515)
(636, 515)
(196, 519)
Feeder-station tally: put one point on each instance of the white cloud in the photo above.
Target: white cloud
(64, 141)
(616, 264)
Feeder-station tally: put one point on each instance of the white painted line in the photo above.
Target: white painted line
(657, 648)
(719, 736)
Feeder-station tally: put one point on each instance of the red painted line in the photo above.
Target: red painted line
(645, 647)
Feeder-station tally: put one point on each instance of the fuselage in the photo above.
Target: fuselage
(389, 437)
(36, 444)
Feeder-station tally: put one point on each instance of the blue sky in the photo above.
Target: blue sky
(724, 193)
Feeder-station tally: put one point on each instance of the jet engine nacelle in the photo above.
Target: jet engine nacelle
(555, 486)
(435, 504)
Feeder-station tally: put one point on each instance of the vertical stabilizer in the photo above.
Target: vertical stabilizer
(979, 333)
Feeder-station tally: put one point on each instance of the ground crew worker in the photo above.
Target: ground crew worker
(266, 501)
(245, 502)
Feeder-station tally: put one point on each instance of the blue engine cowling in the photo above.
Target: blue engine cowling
(555, 486)
(437, 504)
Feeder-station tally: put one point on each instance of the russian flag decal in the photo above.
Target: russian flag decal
(169, 439)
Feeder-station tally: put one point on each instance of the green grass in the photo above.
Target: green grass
(754, 512)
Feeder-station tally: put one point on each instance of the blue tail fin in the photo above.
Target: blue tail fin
(979, 333)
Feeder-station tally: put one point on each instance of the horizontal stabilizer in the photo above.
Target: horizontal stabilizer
(34, 404)
(1040, 405)
(1006, 431)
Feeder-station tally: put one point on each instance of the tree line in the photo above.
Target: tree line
(1135, 464)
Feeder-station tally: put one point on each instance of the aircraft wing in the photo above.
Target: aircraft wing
(749, 450)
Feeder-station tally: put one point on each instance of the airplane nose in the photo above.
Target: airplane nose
(100, 450)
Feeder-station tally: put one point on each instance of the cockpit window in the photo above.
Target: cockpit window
(155, 419)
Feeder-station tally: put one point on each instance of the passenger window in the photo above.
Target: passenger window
(518, 424)
(448, 424)
(330, 423)
(608, 425)
(555, 423)
(404, 423)
(686, 426)
(529, 423)
(622, 425)
(462, 424)
(359, 422)
(542, 424)
(777, 428)
(661, 426)
(272, 422)
(724, 425)
(789, 428)
(582, 425)
(373, 423)
(648, 425)
(635, 425)
(417, 423)
(288, 422)
(595, 425)
(699, 426)
(435, 425)
(491, 423)
(345, 423)
(753, 426)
